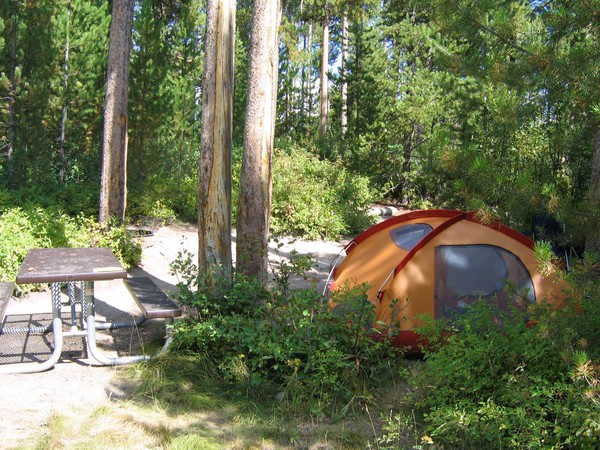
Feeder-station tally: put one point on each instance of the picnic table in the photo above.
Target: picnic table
(79, 269)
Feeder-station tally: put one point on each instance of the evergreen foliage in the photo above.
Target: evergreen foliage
(475, 105)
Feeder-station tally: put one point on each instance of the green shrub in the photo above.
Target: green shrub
(312, 198)
(285, 342)
(498, 383)
(77, 199)
(316, 198)
(18, 236)
(116, 237)
(70, 199)
(34, 227)
(155, 200)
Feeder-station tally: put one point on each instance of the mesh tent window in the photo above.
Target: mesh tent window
(408, 236)
(465, 273)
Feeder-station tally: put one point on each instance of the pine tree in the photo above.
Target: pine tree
(259, 132)
(151, 99)
(113, 183)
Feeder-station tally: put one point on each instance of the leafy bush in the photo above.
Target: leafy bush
(70, 199)
(498, 383)
(34, 227)
(312, 198)
(287, 342)
(119, 240)
(316, 198)
(23, 229)
(156, 199)
(77, 199)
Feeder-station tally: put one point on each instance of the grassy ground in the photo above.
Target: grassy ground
(174, 405)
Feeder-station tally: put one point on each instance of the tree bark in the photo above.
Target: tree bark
(113, 185)
(214, 183)
(356, 104)
(593, 239)
(344, 86)
(12, 95)
(307, 92)
(259, 132)
(324, 79)
(65, 82)
(411, 141)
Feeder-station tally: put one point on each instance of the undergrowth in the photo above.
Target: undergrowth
(312, 198)
(27, 227)
(286, 343)
(513, 379)
(316, 198)
(304, 373)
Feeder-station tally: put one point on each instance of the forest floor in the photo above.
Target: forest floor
(74, 390)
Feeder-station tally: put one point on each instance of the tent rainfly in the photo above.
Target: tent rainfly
(438, 262)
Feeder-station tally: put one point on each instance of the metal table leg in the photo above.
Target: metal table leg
(93, 351)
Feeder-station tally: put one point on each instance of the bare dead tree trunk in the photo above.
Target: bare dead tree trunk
(259, 131)
(113, 184)
(324, 79)
(344, 87)
(214, 183)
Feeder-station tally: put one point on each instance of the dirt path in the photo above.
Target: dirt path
(74, 387)
(163, 247)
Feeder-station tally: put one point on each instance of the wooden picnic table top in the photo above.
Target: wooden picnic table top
(51, 265)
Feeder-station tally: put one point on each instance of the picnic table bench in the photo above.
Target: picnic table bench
(153, 302)
(6, 291)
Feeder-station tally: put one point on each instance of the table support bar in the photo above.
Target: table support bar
(25, 330)
(133, 323)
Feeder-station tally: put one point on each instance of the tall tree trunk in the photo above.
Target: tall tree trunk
(113, 185)
(259, 130)
(357, 69)
(289, 91)
(324, 79)
(11, 135)
(142, 126)
(593, 239)
(65, 80)
(297, 107)
(180, 151)
(344, 87)
(411, 140)
(214, 183)
(308, 92)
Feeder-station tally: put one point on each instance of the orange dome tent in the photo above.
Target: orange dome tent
(438, 262)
